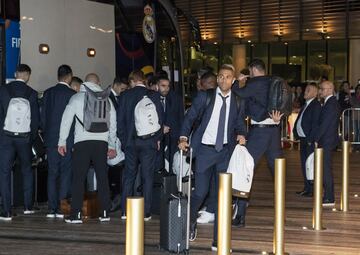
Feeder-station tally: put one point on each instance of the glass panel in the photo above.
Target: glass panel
(338, 59)
(278, 56)
(317, 67)
(227, 54)
(261, 51)
(297, 59)
(211, 55)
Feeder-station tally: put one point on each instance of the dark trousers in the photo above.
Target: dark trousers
(262, 141)
(211, 199)
(9, 148)
(59, 176)
(143, 152)
(305, 151)
(84, 153)
(328, 175)
(209, 163)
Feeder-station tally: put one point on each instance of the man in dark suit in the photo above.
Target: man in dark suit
(327, 136)
(14, 143)
(264, 134)
(173, 115)
(119, 85)
(138, 149)
(221, 126)
(304, 130)
(59, 173)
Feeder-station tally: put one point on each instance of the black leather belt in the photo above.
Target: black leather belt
(143, 137)
(213, 146)
(13, 134)
(264, 125)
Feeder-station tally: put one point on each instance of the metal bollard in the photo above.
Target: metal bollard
(279, 224)
(318, 189)
(224, 214)
(135, 226)
(344, 205)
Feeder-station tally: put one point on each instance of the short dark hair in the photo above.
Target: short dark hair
(120, 80)
(162, 73)
(162, 77)
(23, 68)
(76, 79)
(208, 75)
(258, 64)
(63, 71)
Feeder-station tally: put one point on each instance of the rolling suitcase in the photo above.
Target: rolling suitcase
(165, 184)
(175, 219)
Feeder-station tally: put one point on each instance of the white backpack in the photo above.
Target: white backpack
(18, 115)
(146, 117)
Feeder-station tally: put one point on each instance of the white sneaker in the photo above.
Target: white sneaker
(28, 212)
(206, 217)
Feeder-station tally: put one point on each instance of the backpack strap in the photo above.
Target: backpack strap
(77, 118)
(210, 98)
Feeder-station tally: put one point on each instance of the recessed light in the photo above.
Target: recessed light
(44, 48)
(91, 52)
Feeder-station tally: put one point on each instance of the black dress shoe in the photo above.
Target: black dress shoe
(307, 194)
(300, 192)
(193, 232)
(239, 221)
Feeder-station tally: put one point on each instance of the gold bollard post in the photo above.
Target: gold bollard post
(344, 205)
(279, 223)
(318, 189)
(135, 226)
(224, 214)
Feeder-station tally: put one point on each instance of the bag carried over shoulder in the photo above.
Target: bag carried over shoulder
(18, 115)
(279, 97)
(96, 110)
(241, 166)
(146, 117)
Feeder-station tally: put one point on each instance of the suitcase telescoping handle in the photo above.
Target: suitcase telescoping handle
(189, 193)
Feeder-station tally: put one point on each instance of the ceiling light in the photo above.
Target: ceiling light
(44, 48)
(91, 52)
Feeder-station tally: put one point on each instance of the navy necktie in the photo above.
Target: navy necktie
(219, 144)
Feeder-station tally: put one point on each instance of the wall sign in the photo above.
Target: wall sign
(148, 26)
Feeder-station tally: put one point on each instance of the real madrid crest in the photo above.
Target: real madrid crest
(148, 26)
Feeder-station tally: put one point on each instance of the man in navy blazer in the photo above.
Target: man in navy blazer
(264, 134)
(304, 130)
(137, 149)
(173, 115)
(327, 137)
(59, 172)
(222, 124)
(12, 144)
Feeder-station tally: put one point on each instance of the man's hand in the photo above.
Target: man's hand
(276, 116)
(241, 139)
(166, 129)
(183, 144)
(242, 77)
(62, 150)
(111, 153)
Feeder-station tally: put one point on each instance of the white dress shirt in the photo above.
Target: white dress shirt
(210, 133)
(327, 98)
(299, 129)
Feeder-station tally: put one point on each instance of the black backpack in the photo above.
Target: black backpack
(279, 97)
